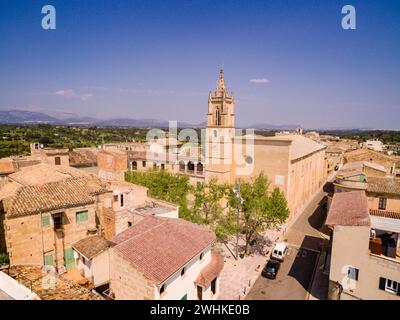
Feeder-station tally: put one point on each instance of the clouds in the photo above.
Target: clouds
(71, 94)
(259, 81)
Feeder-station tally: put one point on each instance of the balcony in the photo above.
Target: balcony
(384, 249)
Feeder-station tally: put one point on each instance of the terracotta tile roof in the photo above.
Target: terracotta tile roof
(67, 193)
(44, 173)
(384, 185)
(82, 158)
(349, 209)
(385, 214)
(159, 247)
(7, 166)
(211, 270)
(91, 246)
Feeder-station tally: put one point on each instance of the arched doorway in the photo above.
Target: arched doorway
(199, 168)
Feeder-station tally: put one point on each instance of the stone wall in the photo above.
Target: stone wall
(127, 283)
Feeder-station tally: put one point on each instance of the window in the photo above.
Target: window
(122, 200)
(201, 256)
(48, 260)
(389, 286)
(144, 164)
(57, 220)
(82, 216)
(183, 272)
(214, 286)
(45, 221)
(154, 165)
(57, 161)
(129, 224)
(115, 198)
(382, 203)
(134, 165)
(162, 166)
(352, 273)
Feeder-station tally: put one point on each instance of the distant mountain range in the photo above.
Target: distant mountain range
(33, 117)
(26, 117)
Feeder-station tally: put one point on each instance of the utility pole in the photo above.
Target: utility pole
(239, 202)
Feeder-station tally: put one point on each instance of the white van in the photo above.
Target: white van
(279, 251)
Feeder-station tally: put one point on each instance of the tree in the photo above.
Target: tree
(165, 186)
(210, 208)
(260, 208)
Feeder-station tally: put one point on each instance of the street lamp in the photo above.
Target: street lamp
(239, 202)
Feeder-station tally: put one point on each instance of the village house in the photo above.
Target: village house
(389, 162)
(54, 156)
(93, 259)
(364, 250)
(112, 164)
(383, 191)
(164, 259)
(46, 208)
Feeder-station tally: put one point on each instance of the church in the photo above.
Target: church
(295, 164)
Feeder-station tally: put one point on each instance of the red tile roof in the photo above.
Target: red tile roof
(159, 247)
(91, 246)
(349, 209)
(385, 214)
(211, 270)
(62, 194)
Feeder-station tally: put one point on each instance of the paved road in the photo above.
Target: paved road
(305, 238)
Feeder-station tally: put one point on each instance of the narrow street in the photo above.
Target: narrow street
(305, 239)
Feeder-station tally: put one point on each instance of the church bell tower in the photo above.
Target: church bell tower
(220, 132)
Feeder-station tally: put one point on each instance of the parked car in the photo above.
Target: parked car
(279, 251)
(271, 269)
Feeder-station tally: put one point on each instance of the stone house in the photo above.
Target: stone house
(364, 250)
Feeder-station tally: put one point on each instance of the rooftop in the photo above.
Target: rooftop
(211, 270)
(385, 214)
(91, 246)
(83, 158)
(300, 146)
(56, 195)
(44, 173)
(7, 166)
(349, 209)
(153, 208)
(63, 289)
(159, 247)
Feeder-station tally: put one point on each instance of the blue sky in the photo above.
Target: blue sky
(159, 59)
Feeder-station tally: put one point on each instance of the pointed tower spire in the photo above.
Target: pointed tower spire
(221, 87)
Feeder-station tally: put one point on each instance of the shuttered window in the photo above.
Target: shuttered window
(389, 286)
(82, 216)
(48, 260)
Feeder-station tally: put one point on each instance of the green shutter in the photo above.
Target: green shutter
(45, 221)
(82, 216)
(48, 260)
(69, 258)
(184, 297)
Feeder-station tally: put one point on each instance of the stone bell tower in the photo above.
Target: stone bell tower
(220, 132)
